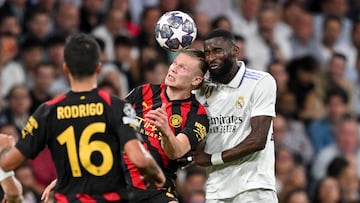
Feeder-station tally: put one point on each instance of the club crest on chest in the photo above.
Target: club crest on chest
(240, 102)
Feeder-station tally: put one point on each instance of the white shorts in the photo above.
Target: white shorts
(251, 196)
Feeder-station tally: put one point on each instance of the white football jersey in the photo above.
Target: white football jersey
(230, 107)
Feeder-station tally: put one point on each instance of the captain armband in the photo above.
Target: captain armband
(216, 159)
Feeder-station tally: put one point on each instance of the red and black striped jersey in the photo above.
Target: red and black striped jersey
(186, 116)
(86, 133)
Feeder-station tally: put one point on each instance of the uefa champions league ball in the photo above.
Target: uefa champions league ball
(175, 30)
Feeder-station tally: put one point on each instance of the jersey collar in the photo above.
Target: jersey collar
(237, 80)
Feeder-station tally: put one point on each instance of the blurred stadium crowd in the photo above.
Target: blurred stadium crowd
(311, 47)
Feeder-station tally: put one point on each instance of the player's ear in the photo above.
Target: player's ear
(66, 68)
(98, 68)
(235, 50)
(197, 81)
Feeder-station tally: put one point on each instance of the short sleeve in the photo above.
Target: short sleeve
(263, 97)
(125, 122)
(196, 129)
(33, 137)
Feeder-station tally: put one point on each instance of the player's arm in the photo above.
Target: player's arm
(144, 162)
(11, 186)
(10, 156)
(254, 142)
(175, 146)
(29, 144)
(262, 113)
(12, 189)
(10, 159)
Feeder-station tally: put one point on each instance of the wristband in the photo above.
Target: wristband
(4, 175)
(216, 159)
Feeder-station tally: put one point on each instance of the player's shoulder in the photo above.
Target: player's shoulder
(111, 100)
(44, 109)
(151, 85)
(255, 74)
(55, 100)
(146, 88)
(258, 76)
(200, 108)
(193, 99)
(117, 108)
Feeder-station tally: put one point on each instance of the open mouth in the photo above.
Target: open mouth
(214, 66)
(170, 77)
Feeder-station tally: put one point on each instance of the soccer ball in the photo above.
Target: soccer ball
(175, 30)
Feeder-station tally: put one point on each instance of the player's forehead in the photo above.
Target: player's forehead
(216, 42)
(185, 59)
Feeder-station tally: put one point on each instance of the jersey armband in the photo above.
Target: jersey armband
(4, 175)
(216, 159)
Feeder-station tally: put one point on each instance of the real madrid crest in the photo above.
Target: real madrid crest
(240, 102)
(175, 120)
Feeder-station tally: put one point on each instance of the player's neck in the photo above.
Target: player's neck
(177, 94)
(83, 84)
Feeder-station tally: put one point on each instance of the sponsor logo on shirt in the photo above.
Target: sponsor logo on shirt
(148, 129)
(224, 124)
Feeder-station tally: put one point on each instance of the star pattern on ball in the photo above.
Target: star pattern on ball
(175, 30)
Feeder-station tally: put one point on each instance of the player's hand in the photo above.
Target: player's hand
(157, 180)
(199, 157)
(189, 159)
(159, 118)
(6, 141)
(13, 199)
(186, 162)
(46, 193)
(13, 190)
